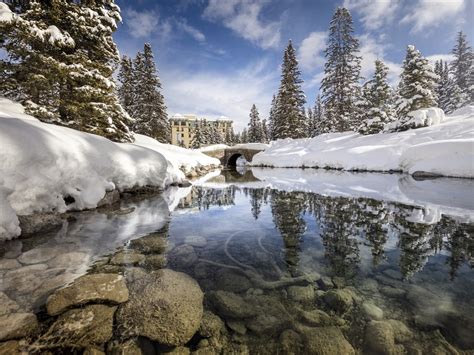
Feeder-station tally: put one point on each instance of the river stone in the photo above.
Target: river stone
(69, 260)
(230, 280)
(211, 325)
(127, 257)
(394, 274)
(11, 347)
(93, 351)
(232, 305)
(183, 256)
(392, 292)
(318, 318)
(301, 293)
(400, 330)
(380, 338)
(130, 347)
(165, 306)
(14, 249)
(25, 271)
(153, 243)
(372, 311)
(266, 324)
(37, 255)
(237, 326)
(195, 241)
(326, 341)
(82, 327)
(155, 261)
(7, 264)
(7, 305)
(339, 300)
(17, 325)
(290, 342)
(88, 288)
(325, 283)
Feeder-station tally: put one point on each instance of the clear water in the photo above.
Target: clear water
(279, 240)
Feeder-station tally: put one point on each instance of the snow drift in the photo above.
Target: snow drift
(46, 168)
(445, 148)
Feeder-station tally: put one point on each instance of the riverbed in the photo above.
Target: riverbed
(286, 261)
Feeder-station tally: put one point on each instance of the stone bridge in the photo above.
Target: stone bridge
(229, 156)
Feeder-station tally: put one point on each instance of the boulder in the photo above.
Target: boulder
(372, 311)
(39, 222)
(211, 325)
(290, 342)
(301, 293)
(7, 264)
(152, 243)
(164, 306)
(339, 300)
(232, 305)
(127, 257)
(88, 288)
(7, 305)
(380, 338)
(325, 341)
(82, 327)
(231, 280)
(17, 325)
(69, 260)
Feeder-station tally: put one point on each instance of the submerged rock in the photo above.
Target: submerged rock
(301, 293)
(372, 311)
(165, 306)
(127, 257)
(153, 243)
(325, 341)
(339, 300)
(17, 325)
(380, 338)
(68, 260)
(290, 342)
(183, 256)
(266, 324)
(88, 288)
(7, 305)
(37, 255)
(232, 305)
(211, 325)
(230, 280)
(237, 326)
(195, 241)
(155, 261)
(318, 318)
(7, 264)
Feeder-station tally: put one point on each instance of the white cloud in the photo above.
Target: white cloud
(243, 17)
(311, 51)
(190, 30)
(444, 57)
(374, 14)
(144, 24)
(428, 13)
(229, 94)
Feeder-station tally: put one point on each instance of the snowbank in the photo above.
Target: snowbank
(213, 147)
(45, 167)
(445, 148)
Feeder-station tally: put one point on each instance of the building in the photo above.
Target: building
(183, 126)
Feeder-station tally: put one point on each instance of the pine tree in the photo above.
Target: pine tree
(288, 121)
(450, 97)
(265, 132)
(148, 109)
(378, 98)
(198, 139)
(416, 88)
(244, 136)
(341, 73)
(271, 118)
(126, 79)
(318, 125)
(462, 67)
(255, 133)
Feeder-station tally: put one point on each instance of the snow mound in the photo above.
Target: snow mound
(445, 148)
(45, 167)
(213, 147)
(419, 118)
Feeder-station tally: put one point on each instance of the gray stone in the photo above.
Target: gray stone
(69, 260)
(183, 256)
(7, 264)
(231, 305)
(127, 257)
(325, 341)
(82, 327)
(89, 288)
(7, 305)
(372, 311)
(211, 325)
(237, 326)
(301, 293)
(380, 338)
(17, 325)
(196, 241)
(39, 222)
(110, 198)
(164, 306)
(339, 300)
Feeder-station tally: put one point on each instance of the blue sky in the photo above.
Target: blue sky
(218, 57)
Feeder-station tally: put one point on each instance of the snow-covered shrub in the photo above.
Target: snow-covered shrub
(417, 119)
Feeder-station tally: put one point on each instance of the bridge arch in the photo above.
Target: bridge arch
(232, 160)
(229, 156)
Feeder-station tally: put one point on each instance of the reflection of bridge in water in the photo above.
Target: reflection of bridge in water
(233, 176)
(229, 156)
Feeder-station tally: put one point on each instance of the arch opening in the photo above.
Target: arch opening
(232, 161)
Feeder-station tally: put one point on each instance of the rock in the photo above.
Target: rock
(127, 257)
(211, 325)
(69, 260)
(152, 243)
(369, 285)
(392, 273)
(372, 311)
(110, 198)
(7, 264)
(318, 318)
(400, 330)
(17, 325)
(339, 300)
(325, 283)
(301, 293)
(50, 284)
(25, 279)
(339, 282)
(196, 241)
(231, 305)
(392, 292)
(39, 222)
(183, 256)
(266, 324)
(93, 351)
(380, 338)
(179, 350)
(325, 341)
(130, 347)
(82, 327)
(237, 326)
(155, 261)
(290, 342)
(165, 306)
(133, 274)
(12, 347)
(88, 288)
(25, 271)
(230, 280)
(202, 271)
(14, 249)
(7, 305)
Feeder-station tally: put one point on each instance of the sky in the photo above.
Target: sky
(218, 57)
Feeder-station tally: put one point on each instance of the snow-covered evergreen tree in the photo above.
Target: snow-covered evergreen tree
(244, 136)
(198, 139)
(450, 97)
(416, 88)
(289, 121)
(265, 133)
(271, 118)
(318, 125)
(341, 74)
(148, 109)
(462, 67)
(255, 132)
(126, 80)
(378, 100)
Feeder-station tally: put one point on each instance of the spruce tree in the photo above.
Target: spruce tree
(318, 125)
(378, 98)
(198, 139)
(148, 109)
(462, 67)
(271, 118)
(416, 88)
(450, 96)
(289, 119)
(244, 136)
(265, 133)
(255, 134)
(126, 80)
(341, 73)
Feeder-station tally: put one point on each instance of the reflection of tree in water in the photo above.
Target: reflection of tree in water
(287, 209)
(257, 198)
(206, 198)
(461, 245)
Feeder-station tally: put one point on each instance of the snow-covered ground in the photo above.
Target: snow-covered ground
(445, 148)
(257, 146)
(42, 164)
